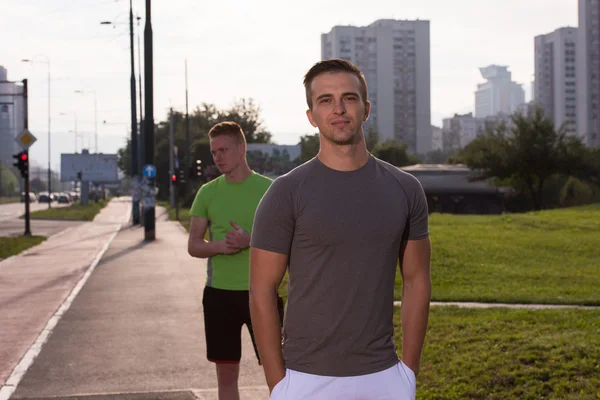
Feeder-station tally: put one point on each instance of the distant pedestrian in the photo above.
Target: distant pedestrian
(339, 224)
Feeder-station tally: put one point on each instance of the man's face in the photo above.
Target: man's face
(338, 109)
(227, 153)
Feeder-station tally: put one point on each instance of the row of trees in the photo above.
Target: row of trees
(529, 154)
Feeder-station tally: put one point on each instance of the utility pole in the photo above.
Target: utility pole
(141, 130)
(149, 207)
(26, 177)
(171, 159)
(188, 146)
(135, 170)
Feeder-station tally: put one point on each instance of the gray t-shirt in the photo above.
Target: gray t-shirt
(342, 231)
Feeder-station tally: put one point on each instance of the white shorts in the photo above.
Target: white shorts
(395, 383)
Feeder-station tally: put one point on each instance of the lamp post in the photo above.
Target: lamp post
(134, 136)
(95, 117)
(46, 61)
(74, 130)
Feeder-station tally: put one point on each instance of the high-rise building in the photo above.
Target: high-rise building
(460, 130)
(394, 55)
(499, 94)
(588, 72)
(11, 117)
(555, 76)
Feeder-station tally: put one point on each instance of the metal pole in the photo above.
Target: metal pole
(188, 145)
(134, 145)
(26, 126)
(171, 158)
(95, 123)
(149, 210)
(49, 154)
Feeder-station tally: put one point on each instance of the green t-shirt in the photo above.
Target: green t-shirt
(221, 201)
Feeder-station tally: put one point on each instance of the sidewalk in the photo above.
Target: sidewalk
(35, 283)
(136, 331)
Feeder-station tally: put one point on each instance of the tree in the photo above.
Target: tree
(9, 184)
(371, 138)
(394, 153)
(309, 147)
(37, 185)
(527, 154)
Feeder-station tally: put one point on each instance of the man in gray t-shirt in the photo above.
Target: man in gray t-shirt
(340, 223)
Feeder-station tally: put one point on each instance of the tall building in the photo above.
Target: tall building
(394, 55)
(460, 130)
(499, 94)
(588, 72)
(555, 76)
(11, 117)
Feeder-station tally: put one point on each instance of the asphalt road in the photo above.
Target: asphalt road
(47, 228)
(15, 210)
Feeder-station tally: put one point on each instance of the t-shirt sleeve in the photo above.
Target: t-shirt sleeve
(200, 205)
(418, 226)
(274, 221)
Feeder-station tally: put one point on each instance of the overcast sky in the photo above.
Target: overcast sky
(243, 48)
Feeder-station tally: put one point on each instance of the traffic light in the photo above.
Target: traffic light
(181, 175)
(198, 167)
(22, 163)
(174, 179)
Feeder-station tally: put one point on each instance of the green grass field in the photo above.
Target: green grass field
(539, 257)
(75, 212)
(9, 246)
(502, 354)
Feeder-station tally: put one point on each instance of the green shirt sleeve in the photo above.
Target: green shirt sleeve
(200, 204)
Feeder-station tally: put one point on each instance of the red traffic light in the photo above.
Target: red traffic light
(23, 156)
(173, 178)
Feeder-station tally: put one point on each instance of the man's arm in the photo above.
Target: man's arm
(416, 293)
(266, 272)
(200, 248)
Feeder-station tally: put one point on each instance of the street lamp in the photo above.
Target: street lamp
(95, 117)
(46, 60)
(75, 130)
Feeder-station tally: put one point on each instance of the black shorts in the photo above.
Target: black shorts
(225, 311)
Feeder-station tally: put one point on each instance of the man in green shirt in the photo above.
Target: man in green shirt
(226, 206)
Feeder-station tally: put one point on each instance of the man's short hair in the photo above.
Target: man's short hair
(228, 128)
(334, 65)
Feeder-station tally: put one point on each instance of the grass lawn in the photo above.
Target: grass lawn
(184, 214)
(509, 354)
(538, 257)
(74, 212)
(8, 200)
(9, 246)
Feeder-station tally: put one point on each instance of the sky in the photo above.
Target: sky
(240, 48)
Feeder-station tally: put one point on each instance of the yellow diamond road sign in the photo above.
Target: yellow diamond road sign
(25, 139)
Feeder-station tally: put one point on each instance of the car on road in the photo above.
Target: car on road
(44, 197)
(32, 198)
(63, 198)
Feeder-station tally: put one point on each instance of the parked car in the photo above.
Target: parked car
(44, 197)
(64, 198)
(32, 198)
